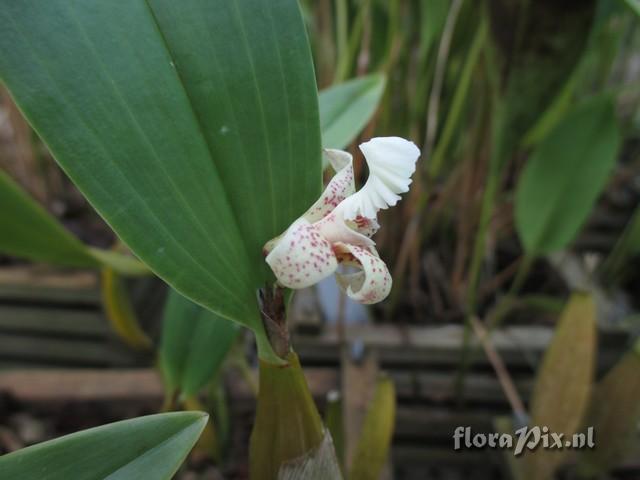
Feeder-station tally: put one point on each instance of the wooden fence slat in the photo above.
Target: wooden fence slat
(52, 320)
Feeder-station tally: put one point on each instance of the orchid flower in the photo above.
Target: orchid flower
(337, 229)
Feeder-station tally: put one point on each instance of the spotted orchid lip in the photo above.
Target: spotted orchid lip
(337, 229)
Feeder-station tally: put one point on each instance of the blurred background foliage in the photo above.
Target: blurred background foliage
(526, 114)
(524, 206)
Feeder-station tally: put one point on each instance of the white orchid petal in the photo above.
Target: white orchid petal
(340, 187)
(384, 193)
(302, 257)
(391, 162)
(334, 228)
(338, 227)
(373, 283)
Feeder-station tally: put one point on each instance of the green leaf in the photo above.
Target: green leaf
(564, 176)
(563, 384)
(433, 17)
(29, 231)
(192, 128)
(346, 108)
(150, 447)
(373, 446)
(194, 344)
(627, 246)
(634, 5)
(614, 415)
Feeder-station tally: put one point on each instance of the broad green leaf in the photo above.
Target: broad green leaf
(192, 127)
(346, 108)
(564, 176)
(194, 344)
(614, 414)
(372, 450)
(563, 383)
(29, 231)
(150, 447)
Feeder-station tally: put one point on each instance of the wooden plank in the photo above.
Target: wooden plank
(53, 320)
(46, 386)
(37, 283)
(520, 347)
(480, 388)
(422, 442)
(83, 353)
(433, 424)
(412, 455)
(424, 346)
(428, 388)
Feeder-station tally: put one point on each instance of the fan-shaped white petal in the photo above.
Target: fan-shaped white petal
(391, 162)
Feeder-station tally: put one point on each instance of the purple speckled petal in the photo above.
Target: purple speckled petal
(302, 257)
(373, 283)
(340, 187)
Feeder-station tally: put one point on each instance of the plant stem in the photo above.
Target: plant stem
(504, 305)
(441, 63)
(496, 166)
(287, 424)
(342, 40)
(499, 367)
(458, 101)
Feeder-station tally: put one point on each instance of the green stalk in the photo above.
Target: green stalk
(496, 166)
(521, 275)
(486, 211)
(287, 424)
(498, 313)
(626, 246)
(389, 59)
(342, 39)
(346, 58)
(459, 98)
